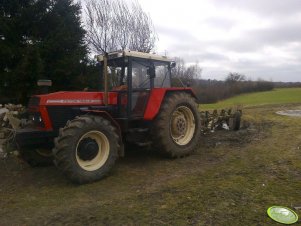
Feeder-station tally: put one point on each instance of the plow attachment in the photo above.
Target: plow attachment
(223, 119)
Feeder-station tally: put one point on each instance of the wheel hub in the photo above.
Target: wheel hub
(87, 149)
(179, 125)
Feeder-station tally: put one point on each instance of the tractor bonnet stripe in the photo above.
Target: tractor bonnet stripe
(75, 101)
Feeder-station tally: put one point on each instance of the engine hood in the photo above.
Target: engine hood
(75, 98)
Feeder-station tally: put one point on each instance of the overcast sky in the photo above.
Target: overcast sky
(259, 38)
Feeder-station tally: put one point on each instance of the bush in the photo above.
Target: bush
(211, 91)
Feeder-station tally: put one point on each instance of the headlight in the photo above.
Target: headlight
(36, 118)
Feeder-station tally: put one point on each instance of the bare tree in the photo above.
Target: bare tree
(143, 36)
(183, 74)
(234, 77)
(99, 25)
(179, 70)
(122, 21)
(113, 24)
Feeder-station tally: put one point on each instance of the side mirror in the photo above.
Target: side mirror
(172, 64)
(151, 72)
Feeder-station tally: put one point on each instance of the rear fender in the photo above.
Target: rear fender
(156, 98)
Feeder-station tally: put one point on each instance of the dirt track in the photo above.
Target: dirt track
(229, 174)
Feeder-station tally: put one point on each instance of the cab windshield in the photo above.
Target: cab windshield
(146, 74)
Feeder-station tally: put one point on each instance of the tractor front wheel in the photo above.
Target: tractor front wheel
(176, 130)
(86, 148)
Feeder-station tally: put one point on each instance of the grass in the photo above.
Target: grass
(277, 96)
(228, 181)
(231, 180)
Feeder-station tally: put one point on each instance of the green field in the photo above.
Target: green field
(276, 96)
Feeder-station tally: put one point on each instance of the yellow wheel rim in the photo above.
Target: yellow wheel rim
(182, 125)
(96, 142)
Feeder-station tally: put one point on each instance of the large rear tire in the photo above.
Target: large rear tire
(176, 129)
(86, 149)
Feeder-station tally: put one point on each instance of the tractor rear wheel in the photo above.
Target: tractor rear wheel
(176, 130)
(37, 157)
(86, 148)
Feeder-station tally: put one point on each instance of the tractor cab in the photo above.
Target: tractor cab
(133, 75)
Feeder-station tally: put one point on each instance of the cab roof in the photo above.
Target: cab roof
(129, 53)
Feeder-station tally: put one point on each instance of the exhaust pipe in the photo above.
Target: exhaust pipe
(105, 75)
(44, 85)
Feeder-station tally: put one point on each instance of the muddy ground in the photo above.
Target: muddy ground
(231, 180)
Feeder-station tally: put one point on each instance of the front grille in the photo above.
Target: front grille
(34, 102)
(59, 115)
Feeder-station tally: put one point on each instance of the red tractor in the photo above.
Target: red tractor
(85, 132)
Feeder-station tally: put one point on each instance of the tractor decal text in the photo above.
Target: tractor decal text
(75, 101)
